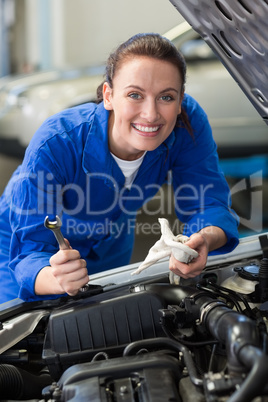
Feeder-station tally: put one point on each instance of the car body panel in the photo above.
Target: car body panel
(238, 33)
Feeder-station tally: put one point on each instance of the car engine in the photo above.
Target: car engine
(146, 340)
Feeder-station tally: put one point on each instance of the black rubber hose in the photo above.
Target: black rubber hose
(256, 380)
(230, 327)
(18, 384)
(11, 382)
(133, 348)
(244, 353)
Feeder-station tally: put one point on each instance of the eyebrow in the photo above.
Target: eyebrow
(141, 89)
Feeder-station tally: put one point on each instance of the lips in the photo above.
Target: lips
(146, 130)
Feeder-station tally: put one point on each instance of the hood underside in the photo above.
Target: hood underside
(237, 32)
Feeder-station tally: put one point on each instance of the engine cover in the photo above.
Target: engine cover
(77, 333)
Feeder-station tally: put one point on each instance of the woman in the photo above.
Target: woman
(95, 165)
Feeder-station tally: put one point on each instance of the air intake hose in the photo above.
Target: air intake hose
(18, 384)
(241, 338)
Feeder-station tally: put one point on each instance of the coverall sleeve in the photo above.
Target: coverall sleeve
(202, 195)
(35, 193)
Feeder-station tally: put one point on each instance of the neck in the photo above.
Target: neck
(127, 157)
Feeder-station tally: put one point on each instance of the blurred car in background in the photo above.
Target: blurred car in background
(26, 101)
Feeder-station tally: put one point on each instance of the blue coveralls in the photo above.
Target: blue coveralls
(68, 170)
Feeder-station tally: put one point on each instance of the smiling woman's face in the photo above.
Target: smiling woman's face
(144, 103)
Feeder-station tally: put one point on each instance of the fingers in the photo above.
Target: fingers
(73, 286)
(193, 268)
(196, 241)
(68, 243)
(63, 256)
(70, 270)
(184, 270)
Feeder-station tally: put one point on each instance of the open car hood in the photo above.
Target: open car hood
(237, 31)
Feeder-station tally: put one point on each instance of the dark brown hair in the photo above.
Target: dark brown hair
(150, 45)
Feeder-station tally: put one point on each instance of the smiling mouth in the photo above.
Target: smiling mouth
(146, 129)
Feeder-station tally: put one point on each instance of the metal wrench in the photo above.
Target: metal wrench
(55, 227)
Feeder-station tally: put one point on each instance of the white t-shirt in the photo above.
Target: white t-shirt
(129, 168)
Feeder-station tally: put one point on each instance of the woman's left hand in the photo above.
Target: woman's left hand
(208, 239)
(199, 243)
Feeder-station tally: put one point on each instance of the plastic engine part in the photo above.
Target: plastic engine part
(147, 377)
(78, 335)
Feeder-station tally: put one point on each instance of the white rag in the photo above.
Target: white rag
(167, 244)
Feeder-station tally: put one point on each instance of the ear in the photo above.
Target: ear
(107, 96)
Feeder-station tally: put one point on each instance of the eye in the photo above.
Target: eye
(167, 98)
(134, 95)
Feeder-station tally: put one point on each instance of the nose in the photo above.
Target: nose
(150, 111)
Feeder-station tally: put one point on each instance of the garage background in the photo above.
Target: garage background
(43, 34)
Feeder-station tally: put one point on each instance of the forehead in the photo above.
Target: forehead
(147, 69)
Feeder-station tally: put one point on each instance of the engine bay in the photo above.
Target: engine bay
(146, 340)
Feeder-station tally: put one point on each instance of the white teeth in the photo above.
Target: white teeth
(146, 129)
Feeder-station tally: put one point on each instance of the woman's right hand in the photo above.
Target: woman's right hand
(70, 270)
(67, 273)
